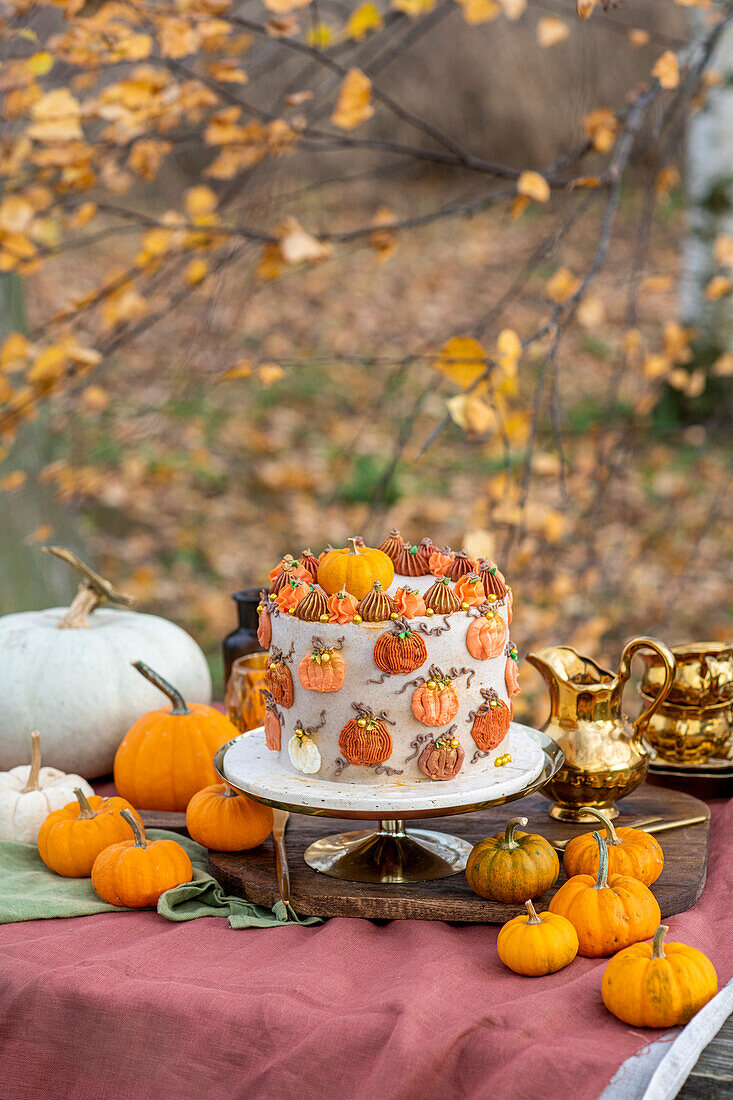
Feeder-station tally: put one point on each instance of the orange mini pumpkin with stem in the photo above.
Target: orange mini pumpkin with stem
(168, 754)
(487, 634)
(323, 669)
(136, 872)
(470, 590)
(343, 608)
(630, 852)
(535, 944)
(366, 739)
(356, 569)
(290, 595)
(225, 821)
(608, 912)
(435, 703)
(70, 839)
(409, 603)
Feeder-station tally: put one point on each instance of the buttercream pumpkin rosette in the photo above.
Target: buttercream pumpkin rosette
(389, 664)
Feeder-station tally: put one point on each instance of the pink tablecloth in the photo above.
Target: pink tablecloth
(132, 1007)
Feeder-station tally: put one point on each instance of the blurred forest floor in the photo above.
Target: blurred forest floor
(186, 485)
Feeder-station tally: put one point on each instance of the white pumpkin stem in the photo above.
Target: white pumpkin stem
(353, 548)
(32, 783)
(612, 836)
(93, 591)
(533, 918)
(658, 944)
(138, 830)
(85, 810)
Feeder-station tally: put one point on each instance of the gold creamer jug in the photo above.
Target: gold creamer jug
(605, 755)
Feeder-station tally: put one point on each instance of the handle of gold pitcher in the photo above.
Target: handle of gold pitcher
(624, 671)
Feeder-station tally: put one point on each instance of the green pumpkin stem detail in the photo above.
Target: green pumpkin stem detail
(509, 841)
(658, 944)
(138, 831)
(533, 918)
(612, 836)
(179, 705)
(602, 880)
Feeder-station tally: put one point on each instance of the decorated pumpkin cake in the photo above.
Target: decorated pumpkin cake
(390, 663)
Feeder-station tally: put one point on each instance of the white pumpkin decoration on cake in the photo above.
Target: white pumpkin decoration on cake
(68, 673)
(303, 752)
(29, 793)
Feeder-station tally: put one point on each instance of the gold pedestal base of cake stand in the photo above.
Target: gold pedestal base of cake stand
(388, 854)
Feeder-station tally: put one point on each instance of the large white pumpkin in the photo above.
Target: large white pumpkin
(76, 684)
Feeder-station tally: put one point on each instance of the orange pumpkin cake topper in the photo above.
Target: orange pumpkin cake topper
(313, 608)
(377, 606)
(460, 565)
(343, 608)
(470, 590)
(440, 560)
(409, 603)
(487, 633)
(323, 669)
(392, 545)
(291, 593)
(409, 563)
(440, 597)
(355, 568)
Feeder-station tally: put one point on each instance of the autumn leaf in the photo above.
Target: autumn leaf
(479, 11)
(508, 351)
(282, 7)
(354, 101)
(667, 178)
(463, 360)
(367, 17)
(320, 36)
(56, 117)
(551, 30)
(638, 37)
(146, 157)
(200, 202)
(297, 246)
(723, 250)
(178, 38)
(14, 352)
(534, 186)
(10, 483)
(196, 272)
(269, 373)
(16, 214)
(601, 126)
(242, 369)
(562, 285)
(718, 287)
(383, 239)
(40, 63)
(585, 8)
(656, 366)
(413, 8)
(513, 9)
(471, 412)
(667, 70)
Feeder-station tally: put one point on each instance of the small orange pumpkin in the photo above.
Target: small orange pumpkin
(136, 872)
(630, 852)
(470, 590)
(291, 593)
(435, 703)
(279, 678)
(167, 755)
(366, 739)
(537, 943)
(490, 721)
(323, 669)
(70, 839)
(409, 603)
(273, 721)
(225, 821)
(487, 634)
(512, 866)
(658, 984)
(399, 649)
(355, 569)
(607, 912)
(342, 607)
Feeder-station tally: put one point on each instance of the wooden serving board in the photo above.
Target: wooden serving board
(252, 874)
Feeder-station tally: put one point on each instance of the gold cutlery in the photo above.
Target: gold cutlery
(280, 822)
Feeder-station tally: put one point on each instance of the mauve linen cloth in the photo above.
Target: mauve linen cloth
(131, 1007)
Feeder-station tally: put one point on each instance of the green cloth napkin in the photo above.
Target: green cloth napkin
(29, 891)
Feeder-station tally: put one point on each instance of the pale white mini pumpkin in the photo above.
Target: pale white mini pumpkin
(28, 794)
(68, 673)
(304, 754)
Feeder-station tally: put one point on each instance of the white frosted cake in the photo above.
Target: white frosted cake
(389, 664)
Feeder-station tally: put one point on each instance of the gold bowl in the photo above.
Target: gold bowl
(691, 735)
(704, 675)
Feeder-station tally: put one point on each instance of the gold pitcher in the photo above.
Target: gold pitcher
(605, 755)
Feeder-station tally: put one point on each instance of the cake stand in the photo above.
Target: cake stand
(388, 853)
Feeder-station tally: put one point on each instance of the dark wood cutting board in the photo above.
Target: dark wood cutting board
(252, 874)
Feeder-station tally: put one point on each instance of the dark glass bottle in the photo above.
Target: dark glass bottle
(244, 639)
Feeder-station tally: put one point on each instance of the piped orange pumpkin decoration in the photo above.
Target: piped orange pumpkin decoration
(273, 721)
(392, 545)
(225, 821)
(534, 944)
(167, 755)
(290, 594)
(470, 590)
(309, 562)
(512, 866)
(442, 758)
(134, 873)
(279, 678)
(264, 621)
(377, 605)
(487, 634)
(435, 703)
(399, 649)
(355, 569)
(440, 599)
(343, 608)
(409, 603)
(490, 721)
(658, 984)
(366, 739)
(630, 852)
(323, 669)
(313, 608)
(409, 563)
(70, 839)
(511, 673)
(608, 912)
(439, 561)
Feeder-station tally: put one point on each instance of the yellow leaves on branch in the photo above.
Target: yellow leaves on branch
(196, 272)
(601, 127)
(353, 105)
(178, 37)
(384, 238)
(585, 8)
(472, 412)
(533, 186)
(320, 36)
(723, 250)
(479, 11)
(56, 117)
(667, 178)
(551, 30)
(667, 70)
(367, 17)
(293, 246)
(245, 146)
(562, 285)
(462, 360)
(413, 8)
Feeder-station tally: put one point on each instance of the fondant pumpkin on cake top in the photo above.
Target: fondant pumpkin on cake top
(355, 569)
